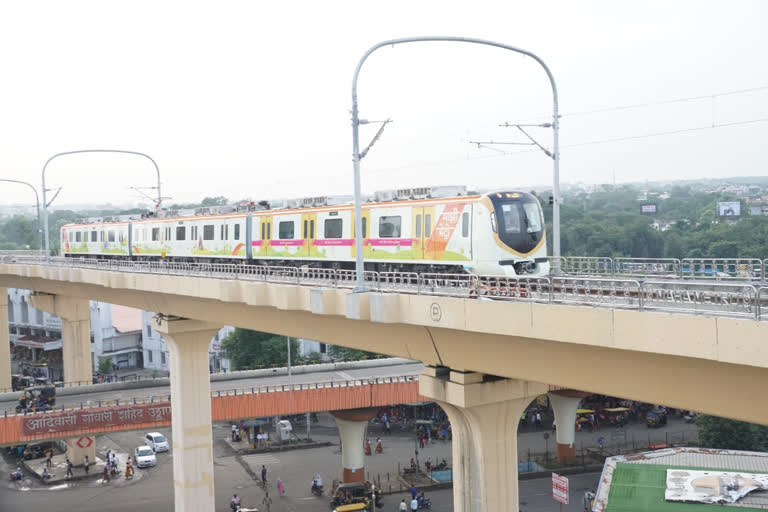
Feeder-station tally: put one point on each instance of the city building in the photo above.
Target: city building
(118, 332)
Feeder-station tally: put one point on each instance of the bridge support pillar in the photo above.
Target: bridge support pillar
(75, 317)
(352, 424)
(5, 343)
(484, 412)
(188, 342)
(565, 403)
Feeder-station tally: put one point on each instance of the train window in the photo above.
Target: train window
(155, 234)
(389, 226)
(78, 237)
(365, 227)
(193, 233)
(101, 235)
(237, 231)
(269, 231)
(71, 236)
(181, 233)
(93, 236)
(263, 230)
(333, 228)
(465, 224)
(418, 226)
(110, 236)
(533, 217)
(312, 228)
(427, 225)
(286, 230)
(304, 233)
(168, 232)
(511, 218)
(208, 232)
(121, 237)
(224, 231)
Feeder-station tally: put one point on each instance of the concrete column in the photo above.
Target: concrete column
(352, 424)
(75, 317)
(484, 412)
(79, 447)
(565, 402)
(188, 342)
(5, 343)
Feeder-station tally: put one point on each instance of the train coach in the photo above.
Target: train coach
(431, 229)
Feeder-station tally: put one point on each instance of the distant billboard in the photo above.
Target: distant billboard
(729, 209)
(648, 208)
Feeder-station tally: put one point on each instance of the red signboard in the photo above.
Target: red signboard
(84, 442)
(560, 488)
(76, 419)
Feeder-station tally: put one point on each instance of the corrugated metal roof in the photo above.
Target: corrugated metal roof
(126, 319)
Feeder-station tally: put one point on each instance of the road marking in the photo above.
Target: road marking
(345, 376)
(257, 459)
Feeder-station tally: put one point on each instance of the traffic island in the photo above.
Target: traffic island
(58, 470)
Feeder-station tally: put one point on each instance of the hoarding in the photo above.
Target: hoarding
(560, 488)
(648, 208)
(729, 209)
(711, 486)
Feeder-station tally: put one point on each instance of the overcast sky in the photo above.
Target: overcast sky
(252, 99)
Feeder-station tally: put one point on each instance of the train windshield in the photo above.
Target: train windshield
(518, 220)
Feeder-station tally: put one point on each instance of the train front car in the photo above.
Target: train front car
(512, 240)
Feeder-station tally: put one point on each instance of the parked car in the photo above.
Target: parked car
(145, 457)
(157, 442)
(656, 418)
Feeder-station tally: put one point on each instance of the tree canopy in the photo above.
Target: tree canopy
(248, 349)
(715, 432)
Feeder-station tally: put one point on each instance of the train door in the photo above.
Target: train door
(308, 234)
(265, 232)
(417, 232)
(430, 221)
(366, 229)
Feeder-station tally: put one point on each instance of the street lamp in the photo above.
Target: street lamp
(37, 207)
(356, 156)
(121, 151)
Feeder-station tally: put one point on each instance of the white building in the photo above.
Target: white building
(118, 332)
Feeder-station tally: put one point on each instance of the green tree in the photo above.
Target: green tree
(350, 354)
(252, 349)
(214, 201)
(105, 365)
(715, 432)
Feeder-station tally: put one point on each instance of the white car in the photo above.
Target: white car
(145, 457)
(157, 442)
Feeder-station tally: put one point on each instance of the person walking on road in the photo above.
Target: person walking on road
(267, 502)
(403, 507)
(280, 487)
(263, 475)
(69, 468)
(414, 505)
(538, 421)
(86, 463)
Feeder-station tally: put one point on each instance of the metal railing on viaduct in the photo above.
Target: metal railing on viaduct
(711, 286)
(155, 411)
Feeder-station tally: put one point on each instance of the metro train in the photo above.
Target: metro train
(429, 229)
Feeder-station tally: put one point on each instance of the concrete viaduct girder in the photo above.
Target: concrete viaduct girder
(685, 361)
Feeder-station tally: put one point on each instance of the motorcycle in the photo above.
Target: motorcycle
(17, 476)
(317, 490)
(424, 502)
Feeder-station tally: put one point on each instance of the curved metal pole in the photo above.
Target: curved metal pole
(37, 206)
(360, 285)
(122, 151)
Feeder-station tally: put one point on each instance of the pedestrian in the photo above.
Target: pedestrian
(49, 460)
(388, 428)
(414, 504)
(414, 492)
(264, 475)
(280, 487)
(234, 432)
(86, 463)
(403, 507)
(69, 468)
(267, 502)
(554, 424)
(538, 420)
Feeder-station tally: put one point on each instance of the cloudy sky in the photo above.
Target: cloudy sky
(252, 99)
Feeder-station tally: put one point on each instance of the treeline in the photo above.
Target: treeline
(609, 223)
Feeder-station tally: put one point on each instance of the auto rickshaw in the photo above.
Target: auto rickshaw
(656, 418)
(616, 415)
(37, 398)
(583, 419)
